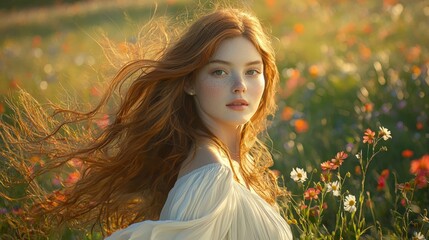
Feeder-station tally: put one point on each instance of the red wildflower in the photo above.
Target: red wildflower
(369, 136)
(325, 205)
(419, 125)
(407, 153)
(72, 178)
(421, 181)
(381, 182)
(311, 193)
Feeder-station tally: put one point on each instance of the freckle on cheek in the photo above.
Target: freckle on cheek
(213, 89)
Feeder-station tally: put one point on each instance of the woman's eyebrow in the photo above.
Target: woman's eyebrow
(229, 63)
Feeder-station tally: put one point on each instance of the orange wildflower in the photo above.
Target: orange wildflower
(287, 113)
(358, 170)
(270, 3)
(365, 52)
(301, 126)
(298, 28)
(314, 70)
(416, 70)
(368, 107)
(420, 166)
(35, 159)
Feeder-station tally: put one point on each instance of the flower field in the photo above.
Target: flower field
(351, 136)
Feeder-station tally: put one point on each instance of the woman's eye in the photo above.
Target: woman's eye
(252, 72)
(219, 73)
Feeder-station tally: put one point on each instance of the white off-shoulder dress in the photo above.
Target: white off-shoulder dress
(207, 204)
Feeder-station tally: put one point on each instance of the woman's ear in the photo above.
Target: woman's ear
(189, 89)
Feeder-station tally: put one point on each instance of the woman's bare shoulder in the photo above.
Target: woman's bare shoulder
(204, 155)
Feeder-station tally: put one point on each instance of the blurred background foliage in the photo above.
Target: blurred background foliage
(345, 66)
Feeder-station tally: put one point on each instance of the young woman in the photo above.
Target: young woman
(182, 159)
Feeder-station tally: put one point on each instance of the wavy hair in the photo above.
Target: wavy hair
(131, 165)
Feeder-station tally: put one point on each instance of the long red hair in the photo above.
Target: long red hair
(131, 165)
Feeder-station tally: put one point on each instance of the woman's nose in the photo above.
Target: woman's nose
(239, 85)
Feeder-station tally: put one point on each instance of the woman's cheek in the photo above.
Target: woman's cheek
(258, 88)
(213, 88)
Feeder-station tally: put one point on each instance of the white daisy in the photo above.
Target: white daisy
(350, 203)
(334, 187)
(384, 133)
(418, 236)
(298, 175)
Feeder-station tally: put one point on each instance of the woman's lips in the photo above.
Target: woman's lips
(238, 104)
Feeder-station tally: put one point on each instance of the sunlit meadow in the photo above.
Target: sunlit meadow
(351, 136)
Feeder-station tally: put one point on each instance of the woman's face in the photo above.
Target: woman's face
(228, 90)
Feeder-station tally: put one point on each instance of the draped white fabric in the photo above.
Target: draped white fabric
(208, 204)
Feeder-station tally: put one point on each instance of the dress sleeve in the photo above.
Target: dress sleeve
(200, 206)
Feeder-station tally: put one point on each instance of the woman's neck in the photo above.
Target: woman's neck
(231, 138)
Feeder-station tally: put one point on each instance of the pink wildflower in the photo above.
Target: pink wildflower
(311, 193)
(369, 136)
